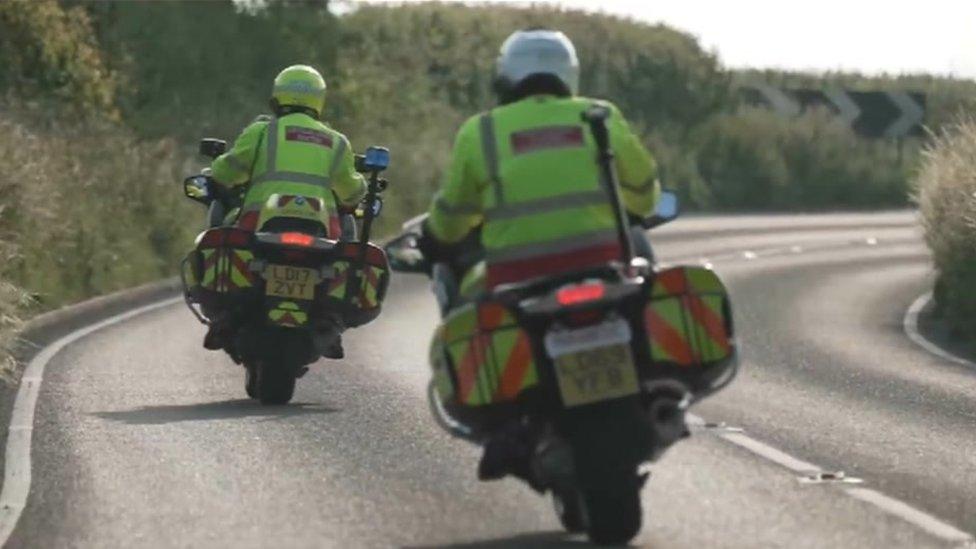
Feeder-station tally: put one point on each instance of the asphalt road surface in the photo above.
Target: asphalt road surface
(142, 438)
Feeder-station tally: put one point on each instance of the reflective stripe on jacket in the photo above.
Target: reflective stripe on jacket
(528, 171)
(291, 155)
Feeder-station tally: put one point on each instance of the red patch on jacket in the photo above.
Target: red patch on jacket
(551, 264)
(553, 137)
(308, 135)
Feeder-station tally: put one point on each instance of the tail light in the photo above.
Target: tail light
(580, 293)
(297, 239)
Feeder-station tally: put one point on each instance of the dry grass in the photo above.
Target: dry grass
(85, 209)
(13, 301)
(946, 194)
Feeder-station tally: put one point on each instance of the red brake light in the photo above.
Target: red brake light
(580, 293)
(297, 239)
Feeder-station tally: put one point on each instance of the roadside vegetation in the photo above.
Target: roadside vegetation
(946, 195)
(101, 105)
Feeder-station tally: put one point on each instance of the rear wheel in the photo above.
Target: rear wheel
(251, 380)
(569, 508)
(275, 383)
(609, 443)
(612, 510)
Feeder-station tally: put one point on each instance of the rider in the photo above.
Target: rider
(526, 173)
(290, 153)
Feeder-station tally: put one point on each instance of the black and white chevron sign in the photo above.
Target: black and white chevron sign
(878, 114)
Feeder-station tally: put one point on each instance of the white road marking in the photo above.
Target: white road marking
(910, 514)
(17, 467)
(910, 324)
(887, 504)
(749, 254)
(771, 454)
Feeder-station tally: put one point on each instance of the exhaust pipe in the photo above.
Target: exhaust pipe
(665, 407)
(667, 417)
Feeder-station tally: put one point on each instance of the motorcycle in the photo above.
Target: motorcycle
(287, 280)
(600, 366)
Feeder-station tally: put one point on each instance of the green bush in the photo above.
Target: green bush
(205, 68)
(946, 194)
(756, 160)
(50, 57)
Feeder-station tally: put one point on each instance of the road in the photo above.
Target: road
(142, 438)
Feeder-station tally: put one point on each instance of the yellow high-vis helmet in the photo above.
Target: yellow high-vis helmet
(299, 86)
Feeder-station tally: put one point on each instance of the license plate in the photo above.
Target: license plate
(290, 282)
(605, 334)
(596, 375)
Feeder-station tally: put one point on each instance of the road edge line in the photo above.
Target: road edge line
(17, 464)
(910, 326)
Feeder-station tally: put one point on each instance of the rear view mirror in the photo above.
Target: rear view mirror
(197, 187)
(667, 210)
(212, 148)
(405, 256)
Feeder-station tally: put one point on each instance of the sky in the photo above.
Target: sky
(871, 36)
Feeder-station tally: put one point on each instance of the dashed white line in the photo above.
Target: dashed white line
(17, 467)
(910, 324)
(771, 454)
(910, 514)
(887, 504)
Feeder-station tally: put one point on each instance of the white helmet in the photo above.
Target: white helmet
(530, 52)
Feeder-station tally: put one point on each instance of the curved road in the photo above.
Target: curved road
(142, 438)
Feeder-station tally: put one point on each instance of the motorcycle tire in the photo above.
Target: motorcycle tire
(613, 510)
(569, 509)
(275, 383)
(251, 380)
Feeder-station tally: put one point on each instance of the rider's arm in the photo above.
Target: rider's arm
(636, 169)
(233, 168)
(347, 184)
(457, 207)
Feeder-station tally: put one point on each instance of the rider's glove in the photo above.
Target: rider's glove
(429, 245)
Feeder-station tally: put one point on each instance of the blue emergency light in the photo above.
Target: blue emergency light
(377, 159)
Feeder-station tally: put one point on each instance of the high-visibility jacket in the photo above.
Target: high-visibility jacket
(528, 171)
(292, 155)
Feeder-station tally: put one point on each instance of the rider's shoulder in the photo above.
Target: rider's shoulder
(473, 123)
(325, 126)
(594, 101)
(259, 123)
